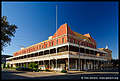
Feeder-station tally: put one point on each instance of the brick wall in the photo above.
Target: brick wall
(64, 29)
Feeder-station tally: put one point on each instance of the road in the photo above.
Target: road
(13, 74)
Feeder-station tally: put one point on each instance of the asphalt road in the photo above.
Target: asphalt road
(13, 74)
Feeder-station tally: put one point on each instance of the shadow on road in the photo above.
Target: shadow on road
(75, 76)
(9, 75)
(69, 76)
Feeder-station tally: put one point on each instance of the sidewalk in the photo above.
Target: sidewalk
(85, 72)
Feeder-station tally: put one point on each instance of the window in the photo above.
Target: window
(62, 40)
(82, 50)
(57, 41)
(87, 44)
(46, 45)
(39, 46)
(78, 42)
(73, 41)
(87, 51)
(42, 46)
(83, 44)
(53, 43)
(50, 43)
(25, 56)
(69, 40)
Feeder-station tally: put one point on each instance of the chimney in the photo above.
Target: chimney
(50, 37)
(106, 47)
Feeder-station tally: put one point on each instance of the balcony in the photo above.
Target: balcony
(59, 55)
(43, 57)
(84, 55)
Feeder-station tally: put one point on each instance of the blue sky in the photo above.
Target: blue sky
(37, 20)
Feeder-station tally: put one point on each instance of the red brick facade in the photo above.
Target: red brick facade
(63, 37)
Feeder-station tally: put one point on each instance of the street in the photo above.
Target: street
(13, 74)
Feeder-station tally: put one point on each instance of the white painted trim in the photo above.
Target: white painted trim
(40, 58)
(87, 57)
(73, 69)
(87, 48)
(40, 50)
(57, 47)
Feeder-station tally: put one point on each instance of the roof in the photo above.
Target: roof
(80, 35)
(65, 29)
(107, 50)
(87, 35)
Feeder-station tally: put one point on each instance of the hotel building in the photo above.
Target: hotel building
(66, 49)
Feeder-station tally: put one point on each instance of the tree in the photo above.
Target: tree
(24, 65)
(33, 65)
(8, 65)
(4, 65)
(7, 31)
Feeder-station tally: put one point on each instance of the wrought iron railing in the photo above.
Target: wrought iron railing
(59, 53)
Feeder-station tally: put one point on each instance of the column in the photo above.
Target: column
(14, 65)
(81, 64)
(68, 63)
(49, 64)
(38, 64)
(91, 65)
(27, 64)
(68, 59)
(76, 64)
(84, 64)
(56, 58)
(49, 59)
(88, 60)
(53, 65)
(94, 61)
(102, 64)
(94, 65)
(21, 64)
(85, 61)
(79, 58)
(98, 64)
(43, 60)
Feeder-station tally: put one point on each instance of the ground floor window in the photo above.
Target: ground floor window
(73, 64)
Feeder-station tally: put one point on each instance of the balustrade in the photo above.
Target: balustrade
(75, 54)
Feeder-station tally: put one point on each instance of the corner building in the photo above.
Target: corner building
(66, 49)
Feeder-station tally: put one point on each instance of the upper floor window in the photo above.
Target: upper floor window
(73, 41)
(77, 42)
(39, 46)
(53, 43)
(42, 46)
(50, 43)
(69, 40)
(57, 41)
(87, 44)
(62, 40)
(46, 45)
